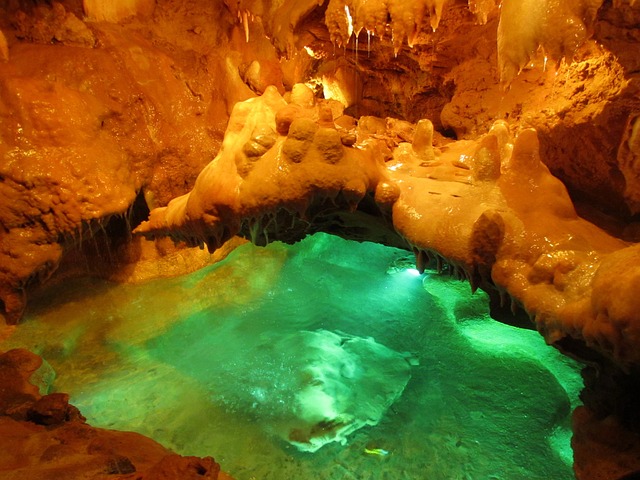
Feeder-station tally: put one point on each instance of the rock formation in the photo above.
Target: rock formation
(498, 141)
(45, 437)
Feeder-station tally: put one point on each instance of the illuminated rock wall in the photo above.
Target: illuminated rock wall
(158, 116)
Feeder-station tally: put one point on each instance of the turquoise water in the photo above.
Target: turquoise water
(232, 359)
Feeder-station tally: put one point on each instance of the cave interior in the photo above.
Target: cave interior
(320, 239)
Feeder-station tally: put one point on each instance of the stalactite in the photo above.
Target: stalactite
(558, 27)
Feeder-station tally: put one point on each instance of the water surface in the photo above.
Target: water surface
(214, 363)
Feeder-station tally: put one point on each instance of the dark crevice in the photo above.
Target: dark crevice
(120, 227)
(449, 133)
(503, 313)
(330, 215)
(610, 391)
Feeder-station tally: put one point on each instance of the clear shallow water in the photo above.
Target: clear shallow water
(213, 363)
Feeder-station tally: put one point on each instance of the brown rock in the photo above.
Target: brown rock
(53, 409)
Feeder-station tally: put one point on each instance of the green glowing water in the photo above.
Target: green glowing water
(214, 363)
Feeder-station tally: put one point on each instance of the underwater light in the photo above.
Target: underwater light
(313, 360)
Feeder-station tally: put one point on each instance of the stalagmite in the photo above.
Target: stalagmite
(486, 159)
(423, 140)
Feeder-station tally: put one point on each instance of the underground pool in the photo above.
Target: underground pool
(327, 359)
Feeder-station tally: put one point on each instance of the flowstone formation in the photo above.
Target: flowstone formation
(488, 209)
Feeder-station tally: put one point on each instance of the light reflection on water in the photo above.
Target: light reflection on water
(211, 364)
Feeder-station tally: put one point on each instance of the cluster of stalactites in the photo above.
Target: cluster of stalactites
(558, 27)
(243, 17)
(246, 11)
(278, 19)
(404, 18)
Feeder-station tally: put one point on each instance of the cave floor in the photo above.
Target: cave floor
(213, 363)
